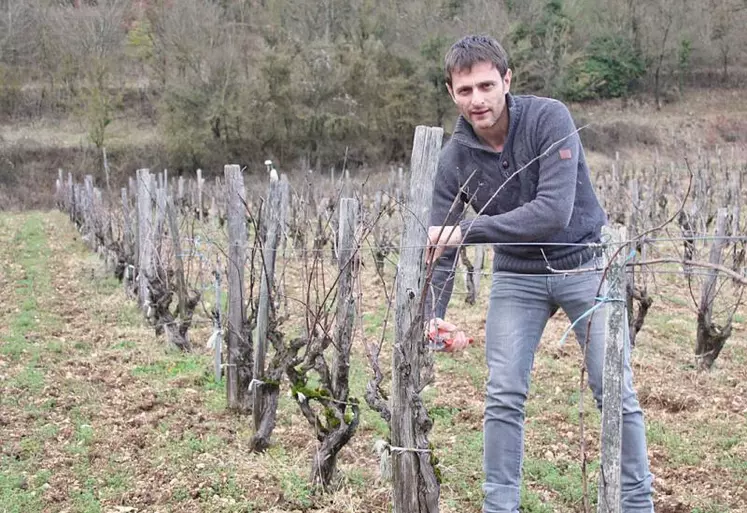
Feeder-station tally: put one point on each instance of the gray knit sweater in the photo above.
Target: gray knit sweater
(551, 201)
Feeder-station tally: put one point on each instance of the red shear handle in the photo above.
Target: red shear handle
(445, 336)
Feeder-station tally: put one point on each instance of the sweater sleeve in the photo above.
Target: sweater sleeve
(447, 208)
(550, 211)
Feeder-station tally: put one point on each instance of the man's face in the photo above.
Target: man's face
(480, 94)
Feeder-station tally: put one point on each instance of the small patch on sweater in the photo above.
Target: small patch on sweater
(565, 154)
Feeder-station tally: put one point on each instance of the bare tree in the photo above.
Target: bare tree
(664, 18)
(726, 19)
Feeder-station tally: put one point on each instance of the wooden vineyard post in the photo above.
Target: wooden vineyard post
(609, 498)
(634, 224)
(60, 191)
(239, 348)
(416, 488)
(221, 201)
(217, 325)
(127, 234)
(88, 214)
(180, 192)
(106, 173)
(213, 211)
(736, 229)
(128, 246)
(192, 186)
(346, 306)
(161, 198)
(70, 197)
(182, 293)
(200, 182)
(132, 193)
(274, 217)
(145, 236)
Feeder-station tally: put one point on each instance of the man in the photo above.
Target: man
(518, 161)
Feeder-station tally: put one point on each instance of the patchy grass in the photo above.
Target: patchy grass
(97, 414)
(26, 279)
(27, 269)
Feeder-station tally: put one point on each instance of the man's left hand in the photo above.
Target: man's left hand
(442, 237)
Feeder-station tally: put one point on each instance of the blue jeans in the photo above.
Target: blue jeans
(520, 306)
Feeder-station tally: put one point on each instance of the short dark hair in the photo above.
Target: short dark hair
(471, 50)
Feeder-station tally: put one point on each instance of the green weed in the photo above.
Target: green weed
(124, 345)
(678, 450)
(296, 489)
(30, 380)
(15, 494)
(198, 367)
(561, 477)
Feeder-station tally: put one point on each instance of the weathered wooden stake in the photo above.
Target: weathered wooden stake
(101, 224)
(381, 237)
(70, 197)
(416, 488)
(221, 200)
(274, 218)
(636, 281)
(127, 234)
(77, 206)
(239, 348)
(213, 211)
(161, 199)
(736, 229)
(192, 186)
(88, 214)
(200, 183)
(128, 246)
(346, 297)
(132, 184)
(60, 191)
(107, 173)
(180, 192)
(181, 282)
(609, 498)
(218, 326)
(145, 237)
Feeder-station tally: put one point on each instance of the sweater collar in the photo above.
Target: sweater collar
(465, 135)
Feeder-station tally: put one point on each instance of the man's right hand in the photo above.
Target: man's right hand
(445, 336)
(440, 238)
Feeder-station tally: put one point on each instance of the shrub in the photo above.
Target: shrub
(610, 69)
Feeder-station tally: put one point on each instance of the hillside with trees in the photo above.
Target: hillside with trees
(188, 84)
